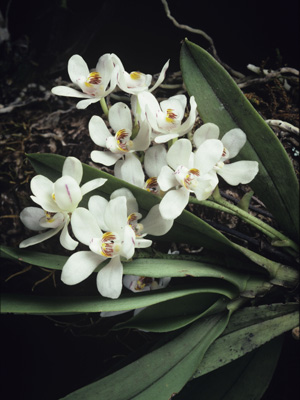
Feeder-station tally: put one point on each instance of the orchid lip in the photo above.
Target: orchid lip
(110, 245)
(187, 177)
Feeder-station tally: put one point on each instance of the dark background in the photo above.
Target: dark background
(47, 33)
(40, 360)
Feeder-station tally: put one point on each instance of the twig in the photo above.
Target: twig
(205, 35)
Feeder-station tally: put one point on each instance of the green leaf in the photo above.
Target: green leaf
(249, 329)
(51, 261)
(246, 378)
(247, 284)
(221, 101)
(196, 231)
(177, 313)
(161, 373)
(56, 305)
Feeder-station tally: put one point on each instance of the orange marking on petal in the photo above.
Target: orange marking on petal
(171, 116)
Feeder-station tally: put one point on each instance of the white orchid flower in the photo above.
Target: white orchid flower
(137, 82)
(130, 169)
(188, 172)
(144, 284)
(118, 241)
(93, 85)
(153, 224)
(233, 141)
(166, 117)
(111, 230)
(58, 201)
(138, 284)
(120, 120)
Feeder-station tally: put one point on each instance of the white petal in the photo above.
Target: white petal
(115, 216)
(154, 224)
(105, 157)
(132, 205)
(119, 117)
(155, 159)
(234, 140)
(69, 92)
(66, 240)
(73, 167)
(97, 206)
(80, 266)
(41, 187)
(173, 203)
(31, 216)
(164, 138)
(53, 221)
(39, 238)
(166, 179)
(128, 243)
(105, 67)
(206, 186)
(109, 279)
(47, 204)
(84, 225)
(67, 193)
(161, 76)
(130, 170)
(150, 106)
(239, 172)
(141, 243)
(83, 104)
(77, 69)
(208, 155)
(179, 153)
(98, 131)
(92, 185)
(206, 131)
(142, 140)
(190, 121)
(176, 103)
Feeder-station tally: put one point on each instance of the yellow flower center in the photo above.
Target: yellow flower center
(123, 142)
(94, 78)
(109, 245)
(142, 282)
(135, 75)
(171, 116)
(132, 221)
(190, 178)
(152, 186)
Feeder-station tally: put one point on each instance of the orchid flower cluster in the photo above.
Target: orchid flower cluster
(172, 167)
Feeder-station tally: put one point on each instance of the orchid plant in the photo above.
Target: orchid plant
(164, 158)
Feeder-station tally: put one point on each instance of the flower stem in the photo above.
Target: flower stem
(104, 106)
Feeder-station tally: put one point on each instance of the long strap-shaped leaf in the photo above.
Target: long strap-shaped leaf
(162, 373)
(59, 305)
(220, 101)
(245, 378)
(247, 284)
(248, 329)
